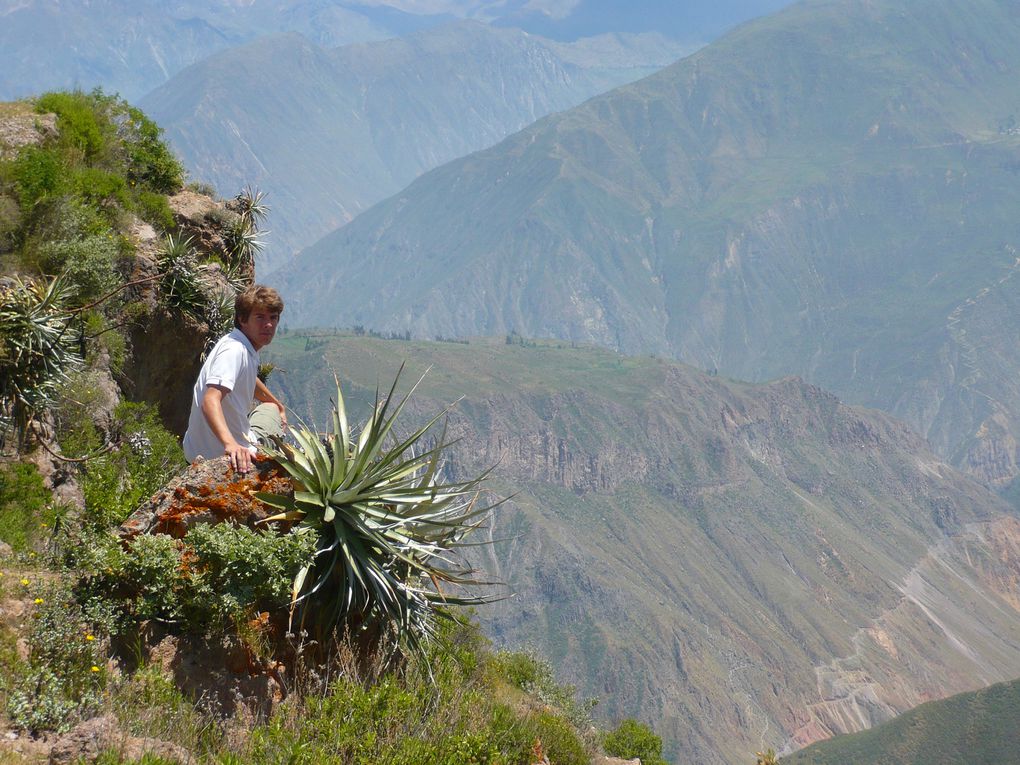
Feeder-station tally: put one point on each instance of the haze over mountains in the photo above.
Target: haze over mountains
(830, 192)
(329, 132)
(741, 566)
(132, 46)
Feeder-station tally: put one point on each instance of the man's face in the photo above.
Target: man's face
(260, 326)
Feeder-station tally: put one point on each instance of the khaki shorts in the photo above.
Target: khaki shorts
(265, 423)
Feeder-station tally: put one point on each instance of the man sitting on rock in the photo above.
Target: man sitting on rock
(221, 421)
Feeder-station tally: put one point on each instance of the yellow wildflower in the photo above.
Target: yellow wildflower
(39, 601)
(95, 668)
(90, 637)
(24, 582)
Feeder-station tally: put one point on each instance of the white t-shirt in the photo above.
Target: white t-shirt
(233, 364)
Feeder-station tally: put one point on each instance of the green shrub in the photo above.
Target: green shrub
(151, 163)
(66, 672)
(87, 265)
(237, 570)
(26, 514)
(217, 576)
(632, 739)
(104, 336)
(10, 221)
(78, 121)
(525, 670)
(154, 209)
(559, 739)
(101, 188)
(38, 173)
(114, 483)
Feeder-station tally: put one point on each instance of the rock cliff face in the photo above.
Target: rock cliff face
(167, 348)
(744, 566)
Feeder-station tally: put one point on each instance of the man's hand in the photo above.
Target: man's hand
(238, 456)
(212, 408)
(283, 414)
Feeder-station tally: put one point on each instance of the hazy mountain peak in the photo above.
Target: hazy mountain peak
(828, 191)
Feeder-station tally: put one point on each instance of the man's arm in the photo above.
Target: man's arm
(212, 410)
(265, 396)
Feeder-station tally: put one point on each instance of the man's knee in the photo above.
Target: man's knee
(266, 422)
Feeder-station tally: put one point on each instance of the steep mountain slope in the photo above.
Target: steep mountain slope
(330, 132)
(743, 566)
(830, 192)
(970, 727)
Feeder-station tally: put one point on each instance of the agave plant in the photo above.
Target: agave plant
(181, 277)
(243, 239)
(38, 347)
(388, 525)
(252, 205)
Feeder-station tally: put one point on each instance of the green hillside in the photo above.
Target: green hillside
(330, 132)
(828, 192)
(742, 566)
(979, 727)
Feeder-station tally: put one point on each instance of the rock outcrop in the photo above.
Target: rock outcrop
(209, 491)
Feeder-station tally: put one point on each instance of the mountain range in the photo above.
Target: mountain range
(132, 46)
(829, 191)
(741, 566)
(329, 132)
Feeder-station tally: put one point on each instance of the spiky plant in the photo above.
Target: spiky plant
(252, 207)
(244, 242)
(38, 347)
(181, 277)
(244, 239)
(389, 527)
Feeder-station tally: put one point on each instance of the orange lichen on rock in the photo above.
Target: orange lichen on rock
(210, 491)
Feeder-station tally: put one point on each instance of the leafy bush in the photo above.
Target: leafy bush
(86, 264)
(154, 209)
(26, 512)
(78, 121)
(440, 707)
(66, 670)
(37, 173)
(101, 188)
(145, 455)
(151, 163)
(559, 741)
(533, 675)
(216, 576)
(632, 739)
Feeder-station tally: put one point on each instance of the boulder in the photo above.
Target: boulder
(209, 491)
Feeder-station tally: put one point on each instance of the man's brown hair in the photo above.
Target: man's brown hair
(256, 295)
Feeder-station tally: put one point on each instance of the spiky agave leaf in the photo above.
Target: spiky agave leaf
(38, 346)
(389, 529)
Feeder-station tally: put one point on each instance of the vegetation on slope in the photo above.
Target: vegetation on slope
(978, 727)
